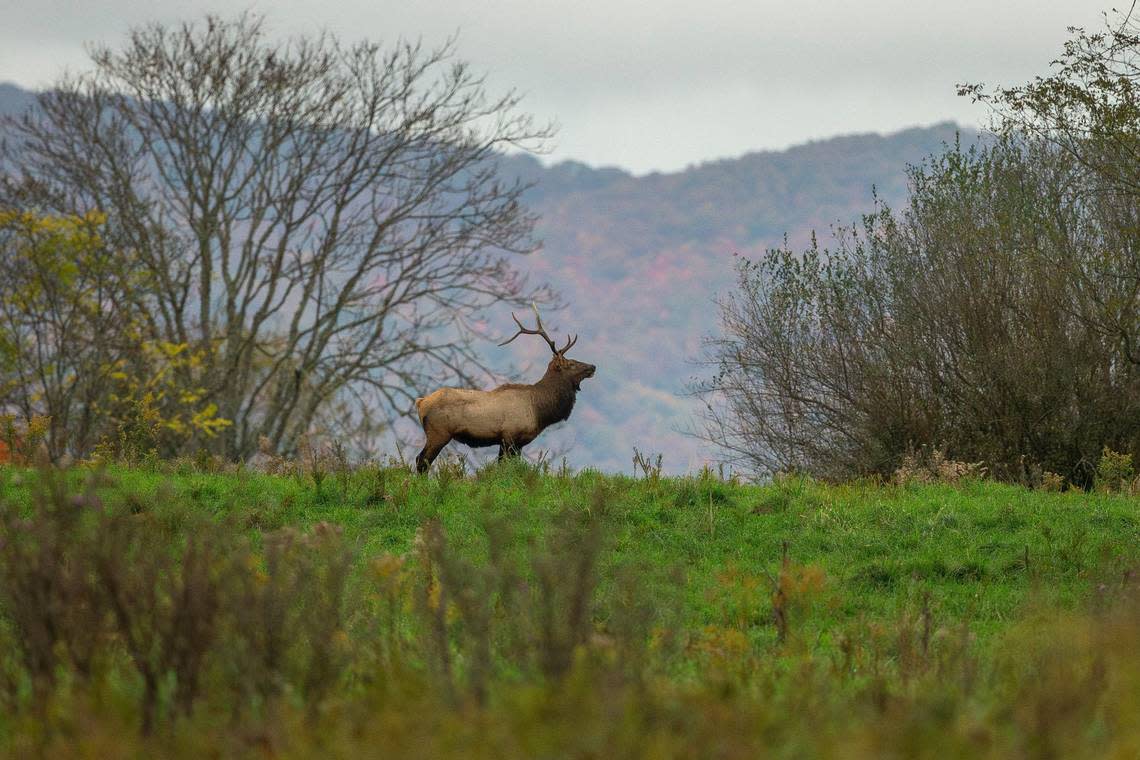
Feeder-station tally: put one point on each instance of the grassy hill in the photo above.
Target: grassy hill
(522, 612)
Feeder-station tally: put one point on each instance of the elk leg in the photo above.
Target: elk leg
(508, 449)
(430, 452)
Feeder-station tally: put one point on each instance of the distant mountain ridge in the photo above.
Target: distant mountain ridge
(14, 100)
(640, 259)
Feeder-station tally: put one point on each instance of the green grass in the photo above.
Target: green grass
(880, 546)
(800, 598)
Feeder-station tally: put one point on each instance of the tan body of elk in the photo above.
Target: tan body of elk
(510, 416)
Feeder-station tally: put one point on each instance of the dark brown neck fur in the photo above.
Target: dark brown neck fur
(554, 397)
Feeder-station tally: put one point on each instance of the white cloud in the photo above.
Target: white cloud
(655, 85)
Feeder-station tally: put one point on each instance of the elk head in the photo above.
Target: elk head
(559, 367)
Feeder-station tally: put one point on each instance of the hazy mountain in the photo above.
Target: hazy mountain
(640, 260)
(14, 100)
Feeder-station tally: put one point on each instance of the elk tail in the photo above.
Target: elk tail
(420, 408)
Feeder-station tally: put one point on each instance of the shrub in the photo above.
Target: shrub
(996, 314)
(48, 591)
(972, 320)
(931, 465)
(1051, 481)
(1114, 471)
(164, 602)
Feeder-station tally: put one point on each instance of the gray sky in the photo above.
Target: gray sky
(651, 85)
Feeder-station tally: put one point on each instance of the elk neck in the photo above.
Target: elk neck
(554, 397)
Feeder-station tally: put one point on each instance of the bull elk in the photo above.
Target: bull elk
(511, 415)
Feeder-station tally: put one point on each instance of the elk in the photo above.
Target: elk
(511, 415)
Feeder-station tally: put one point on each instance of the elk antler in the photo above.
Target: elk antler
(539, 331)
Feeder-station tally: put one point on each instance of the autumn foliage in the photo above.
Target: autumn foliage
(79, 365)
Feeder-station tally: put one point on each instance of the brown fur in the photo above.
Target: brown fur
(511, 415)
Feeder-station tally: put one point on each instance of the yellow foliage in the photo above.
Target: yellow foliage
(162, 400)
(59, 247)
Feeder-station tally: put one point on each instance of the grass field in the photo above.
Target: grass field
(519, 612)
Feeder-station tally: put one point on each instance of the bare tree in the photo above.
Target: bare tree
(321, 221)
(1088, 109)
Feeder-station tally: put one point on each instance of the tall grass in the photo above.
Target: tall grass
(518, 620)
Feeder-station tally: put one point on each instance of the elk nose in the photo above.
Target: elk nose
(591, 368)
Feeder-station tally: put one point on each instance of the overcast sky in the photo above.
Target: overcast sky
(651, 85)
